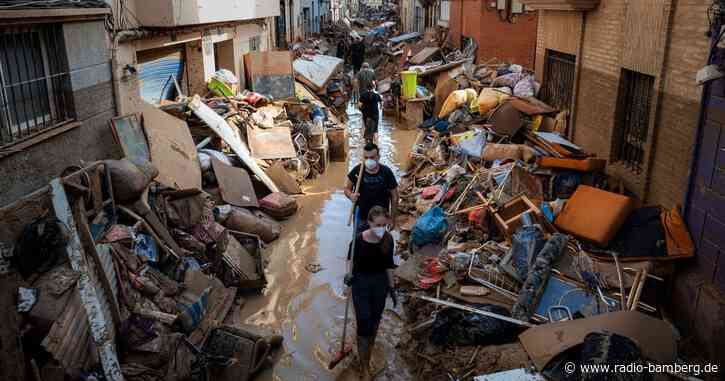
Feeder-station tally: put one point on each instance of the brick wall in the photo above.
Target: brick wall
(599, 77)
(696, 303)
(676, 118)
(680, 103)
(514, 43)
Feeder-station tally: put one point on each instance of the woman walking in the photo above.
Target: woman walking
(372, 281)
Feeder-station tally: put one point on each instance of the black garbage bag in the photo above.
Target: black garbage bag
(599, 348)
(39, 246)
(642, 235)
(456, 327)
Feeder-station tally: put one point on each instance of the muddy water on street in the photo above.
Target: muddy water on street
(308, 308)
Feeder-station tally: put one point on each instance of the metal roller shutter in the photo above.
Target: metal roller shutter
(155, 68)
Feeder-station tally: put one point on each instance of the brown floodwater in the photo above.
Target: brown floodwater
(308, 308)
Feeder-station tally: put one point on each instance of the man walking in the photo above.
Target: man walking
(366, 77)
(357, 54)
(370, 106)
(377, 188)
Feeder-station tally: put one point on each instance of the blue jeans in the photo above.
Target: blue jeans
(526, 244)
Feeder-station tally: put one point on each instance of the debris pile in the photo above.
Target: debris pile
(137, 268)
(510, 231)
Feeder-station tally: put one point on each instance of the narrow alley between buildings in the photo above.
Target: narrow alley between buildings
(358, 190)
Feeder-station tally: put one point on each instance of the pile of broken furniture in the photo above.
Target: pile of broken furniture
(516, 241)
(138, 268)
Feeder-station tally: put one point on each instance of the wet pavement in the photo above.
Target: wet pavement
(307, 307)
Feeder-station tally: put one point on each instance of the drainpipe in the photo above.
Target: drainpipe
(120, 37)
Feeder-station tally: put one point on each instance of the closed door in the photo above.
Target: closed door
(706, 203)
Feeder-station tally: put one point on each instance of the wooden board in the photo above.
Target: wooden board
(444, 87)
(129, 135)
(337, 139)
(235, 185)
(424, 55)
(271, 143)
(173, 151)
(270, 73)
(282, 178)
(654, 336)
(230, 136)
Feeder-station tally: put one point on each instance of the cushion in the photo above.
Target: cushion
(594, 215)
(584, 165)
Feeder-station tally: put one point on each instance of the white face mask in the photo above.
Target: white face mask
(379, 231)
(370, 164)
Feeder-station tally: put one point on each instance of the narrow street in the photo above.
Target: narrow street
(308, 308)
(174, 200)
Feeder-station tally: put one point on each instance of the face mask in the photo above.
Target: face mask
(379, 231)
(370, 164)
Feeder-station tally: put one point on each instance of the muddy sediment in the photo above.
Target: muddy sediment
(304, 300)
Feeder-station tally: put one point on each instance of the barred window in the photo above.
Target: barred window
(632, 119)
(34, 81)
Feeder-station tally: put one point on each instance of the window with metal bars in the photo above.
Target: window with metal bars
(632, 119)
(559, 72)
(34, 81)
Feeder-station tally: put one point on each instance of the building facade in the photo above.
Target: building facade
(504, 30)
(626, 71)
(185, 44)
(58, 95)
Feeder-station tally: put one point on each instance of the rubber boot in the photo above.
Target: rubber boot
(364, 350)
(373, 370)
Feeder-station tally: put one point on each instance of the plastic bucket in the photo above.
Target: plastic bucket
(410, 81)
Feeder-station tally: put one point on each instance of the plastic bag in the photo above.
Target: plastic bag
(526, 87)
(454, 101)
(430, 227)
(145, 246)
(129, 180)
(455, 327)
(508, 80)
(471, 143)
(226, 76)
(471, 100)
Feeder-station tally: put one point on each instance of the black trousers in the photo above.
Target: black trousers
(369, 292)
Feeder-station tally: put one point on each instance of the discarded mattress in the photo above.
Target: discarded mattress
(316, 70)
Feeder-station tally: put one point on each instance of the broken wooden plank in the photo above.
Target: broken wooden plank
(225, 132)
(172, 148)
(235, 185)
(424, 55)
(98, 323)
